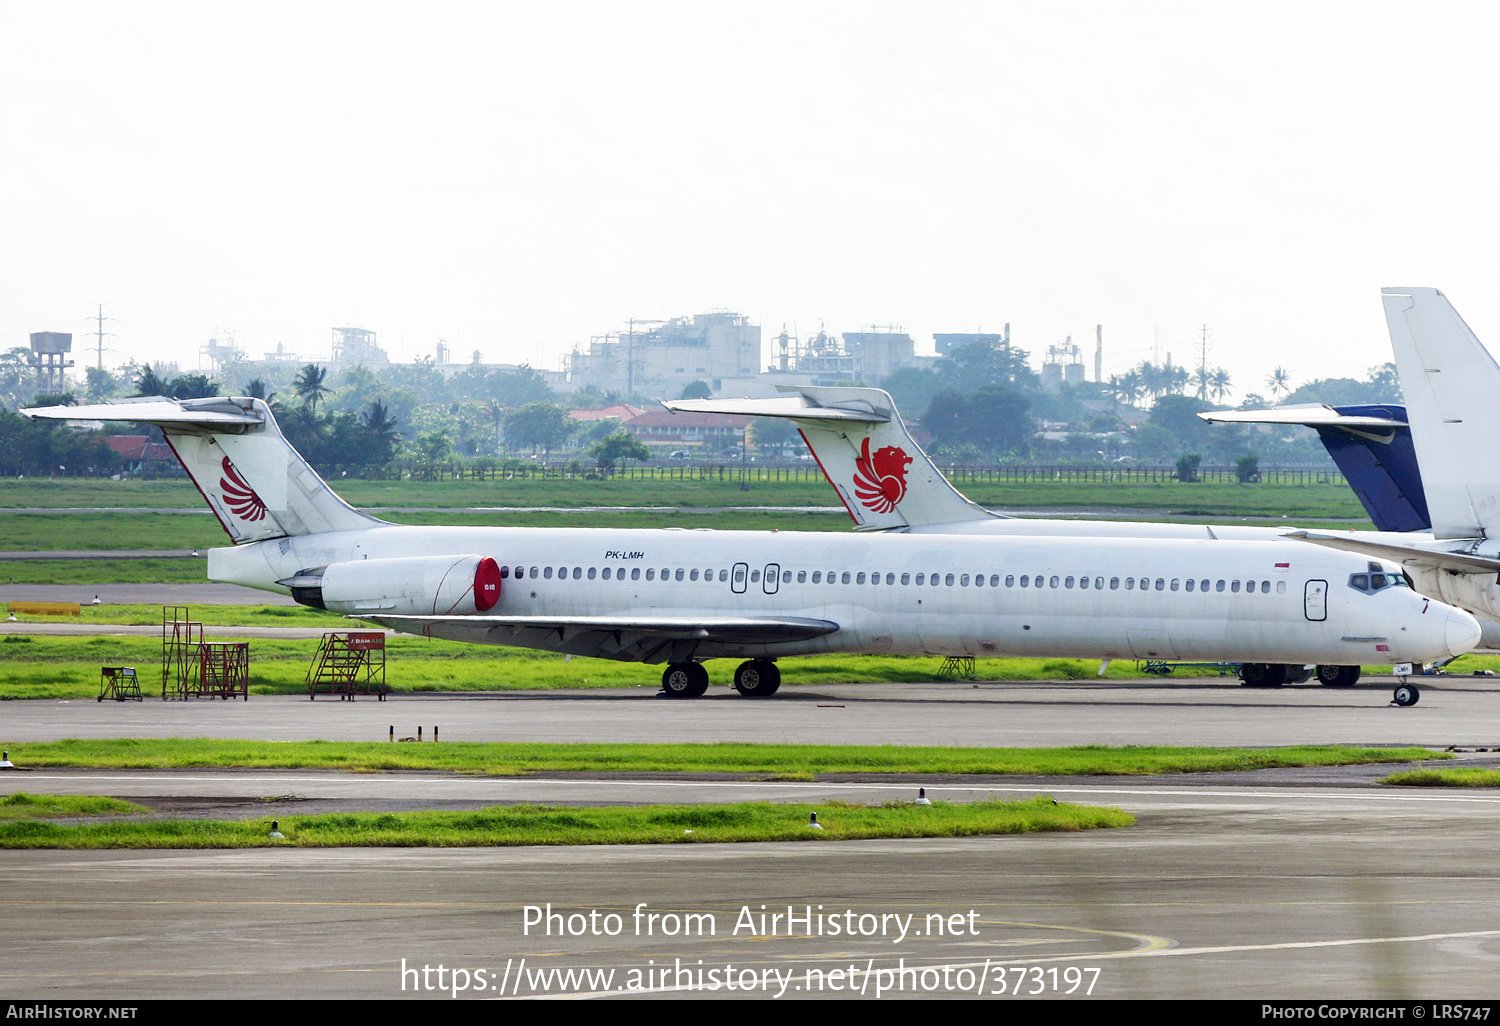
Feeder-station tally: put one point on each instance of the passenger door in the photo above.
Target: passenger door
(1315, 600)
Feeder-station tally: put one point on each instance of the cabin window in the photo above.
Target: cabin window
(1202, 585)
(1191, 584)
(906, 578)
(1114, 584)
(890, 578)
(1175, 583)
(650, 575)
(948, 580)
(504, 572)
(1219, 586)
(739, 575)
(754, 576)
(1234, 586)
(1281, 587)
(693, 574)
(635, 573)
(859, 579)
(1161, 584)
(593, 572)
(1265, 587)
(921, 578)
(547, 573)
(723, 576)
(1010, 580)
(1130, 584)
(817, 577)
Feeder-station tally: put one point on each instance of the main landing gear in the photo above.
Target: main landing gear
(1274, 675)
(758, 678)
(684, 680)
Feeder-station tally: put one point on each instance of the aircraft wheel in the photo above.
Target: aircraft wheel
(1338, 676)
(1406, 694)
(759, 678)
(684, 680)
(1263, 675)
(1297, 673)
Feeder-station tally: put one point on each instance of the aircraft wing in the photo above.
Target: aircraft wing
(650, 639)
(1453, 562)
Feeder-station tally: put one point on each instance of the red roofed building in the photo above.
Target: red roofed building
(140, 453)
(665, 427)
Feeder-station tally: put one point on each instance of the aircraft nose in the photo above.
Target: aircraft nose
(1462, 633)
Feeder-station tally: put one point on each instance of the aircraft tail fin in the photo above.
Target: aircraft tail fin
(881, 474)
(1372, 446)
(254, 481)
(1449, 381)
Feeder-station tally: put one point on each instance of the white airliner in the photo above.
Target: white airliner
(681, 597)
(1449, 382)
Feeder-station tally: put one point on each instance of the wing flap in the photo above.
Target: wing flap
(747, 630)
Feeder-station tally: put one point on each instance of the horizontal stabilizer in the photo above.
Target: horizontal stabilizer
(254, 481)
(1311, 415)
(862, 446)
(1453, 562)
(209, 414)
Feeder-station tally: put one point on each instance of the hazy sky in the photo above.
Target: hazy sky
(516, 177)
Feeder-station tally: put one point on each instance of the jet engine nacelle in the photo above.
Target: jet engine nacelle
(413, 586)
(1477, 593)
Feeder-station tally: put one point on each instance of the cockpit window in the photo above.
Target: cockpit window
(1372, 582)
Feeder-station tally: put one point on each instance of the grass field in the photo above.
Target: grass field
(542, 824)
(781, 761)
(41, 666)
(1201, 498)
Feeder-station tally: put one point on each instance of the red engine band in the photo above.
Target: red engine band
(486, 584)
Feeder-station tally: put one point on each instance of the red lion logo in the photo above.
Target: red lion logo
(239, 496)
(880, 481)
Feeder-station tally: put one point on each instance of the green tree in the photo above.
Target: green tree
(994, 418)
(696, 390)
(538, 425)
(1187, 467)
(618, 448)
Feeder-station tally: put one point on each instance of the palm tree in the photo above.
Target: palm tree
(1279, 382)
(1218, 383)
(309, 385)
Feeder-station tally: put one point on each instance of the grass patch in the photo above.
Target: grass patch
(68, 667)
(514, 758)
(503, 826)
(1445, 778)
(38, 806)
(1201, 498)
